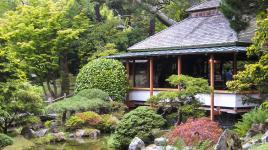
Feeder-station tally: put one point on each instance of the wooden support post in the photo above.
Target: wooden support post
(134, 73)
(151, 76)
(179, 68)
(212, 68)
(128, 77)
(127, 68)
(235, 64)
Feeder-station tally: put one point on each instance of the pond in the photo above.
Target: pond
(83, 144)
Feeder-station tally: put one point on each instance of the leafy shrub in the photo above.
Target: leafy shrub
(194, 131)
(139, 122)
(5, 140)
(105, 74)
(204, 145)
(48, 123)
(74, 122)
(108, 123)
(254, 116)
(88, 99)
(89, 118)
(84, 119)
(118, 109)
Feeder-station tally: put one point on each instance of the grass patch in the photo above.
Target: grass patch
(20, 143)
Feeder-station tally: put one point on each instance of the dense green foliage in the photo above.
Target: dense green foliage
(240, 12)
(88, 99)
(44, 38)
(255, 76)
(257, 115)
(108, 123)
(5, 140)
(184, 100)
(139, 122)
(25, 99)
(105, 74)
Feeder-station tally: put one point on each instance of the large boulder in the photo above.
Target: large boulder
(265, 137)
(136, 144)
(58, 137)
(40, 133)
(27, 132)
(92, 133)
(229, 141)
(160, 141)
(254, 130)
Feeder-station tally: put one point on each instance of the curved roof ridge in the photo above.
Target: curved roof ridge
(205, 5)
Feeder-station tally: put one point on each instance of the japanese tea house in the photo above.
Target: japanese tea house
(202, 45)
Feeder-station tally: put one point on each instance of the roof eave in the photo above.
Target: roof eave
(191, 46)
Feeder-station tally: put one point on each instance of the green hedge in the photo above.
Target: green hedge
(139, 122)
(106, 74)
(5, 140)
(85, 100)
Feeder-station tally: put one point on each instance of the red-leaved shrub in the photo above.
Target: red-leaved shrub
(196, 130)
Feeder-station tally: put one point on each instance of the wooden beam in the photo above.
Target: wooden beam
(235, 64)
(179, 68)
(151, 76)
(212, 86)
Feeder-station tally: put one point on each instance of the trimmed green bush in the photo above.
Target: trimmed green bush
(106, 74)
(94, 93)
(139, 122)
(5, 140)
(108, 123)
(257, 115)
(85, 100)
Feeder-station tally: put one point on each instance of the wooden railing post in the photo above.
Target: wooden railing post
(179, 68)
(212, 68)
(151, 76)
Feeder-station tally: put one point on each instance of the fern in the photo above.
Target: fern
(254, 116)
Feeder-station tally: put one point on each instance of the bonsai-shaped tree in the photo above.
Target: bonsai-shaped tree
(184, 100)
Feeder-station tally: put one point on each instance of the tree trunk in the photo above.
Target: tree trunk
(163, 18)
(97, 12)
(44, 89)
(52, 94)
(64, 117)
(5, 127)
(152, 26)
(65, 81)
(179, 115)
(55, 87)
